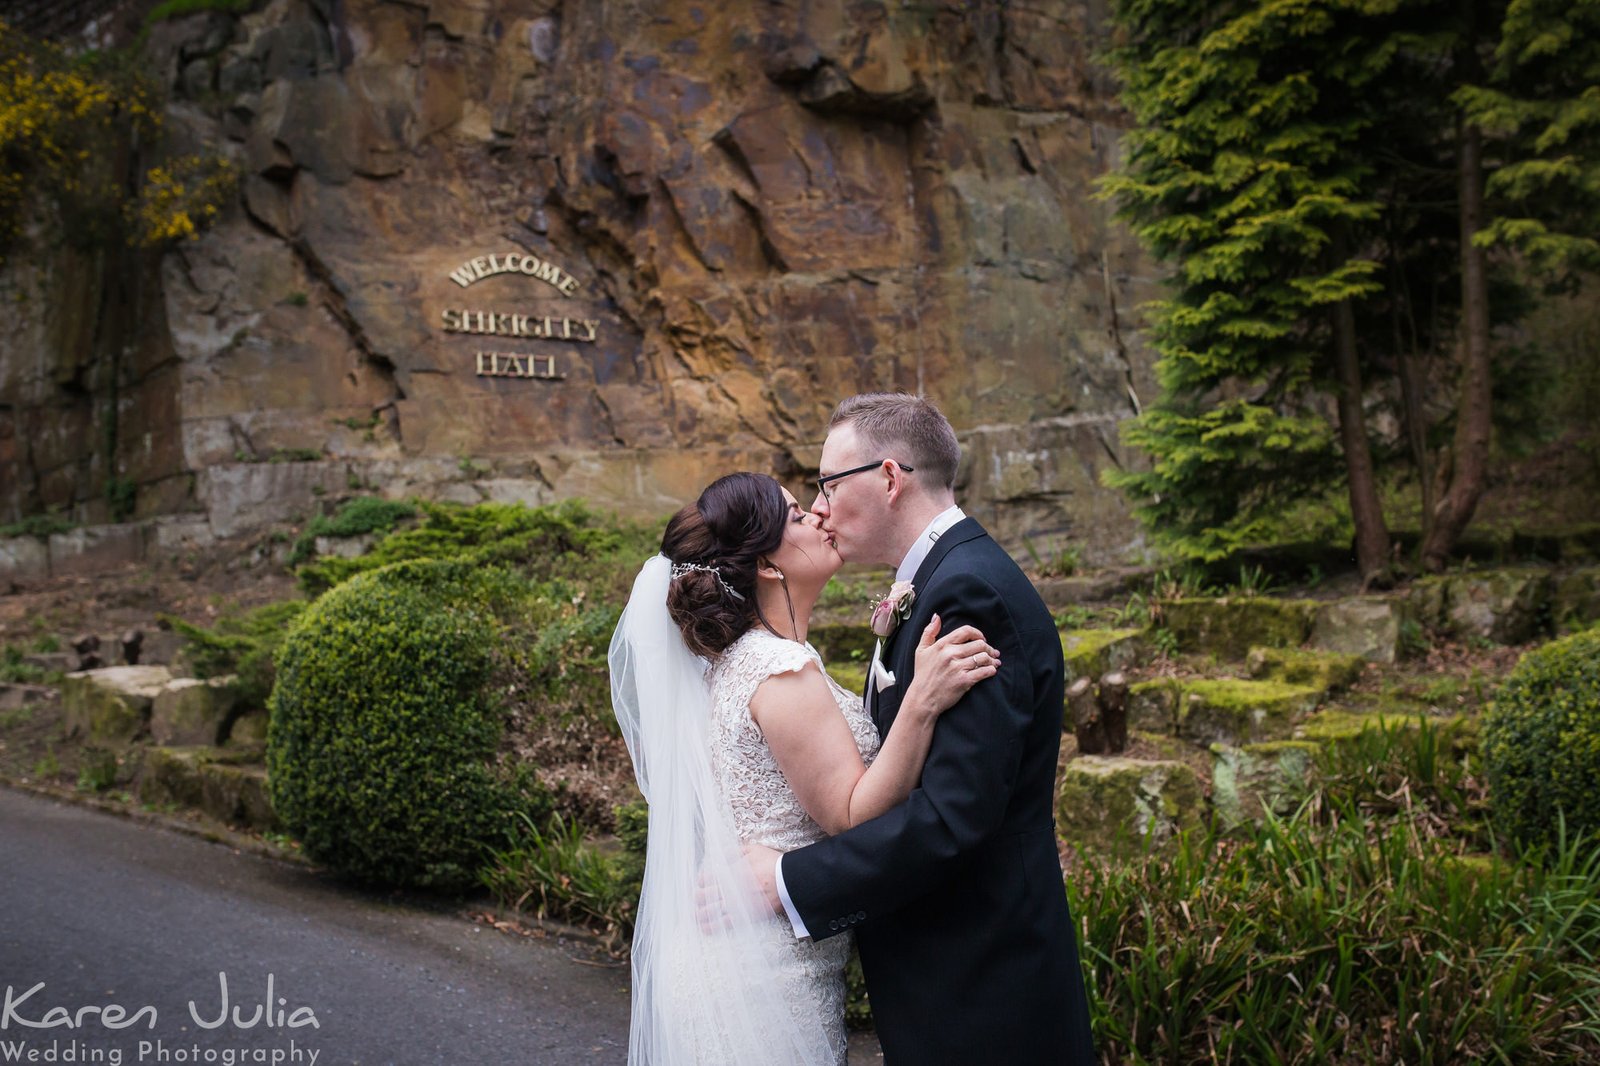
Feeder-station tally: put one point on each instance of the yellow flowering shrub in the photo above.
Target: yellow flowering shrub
(71, 128)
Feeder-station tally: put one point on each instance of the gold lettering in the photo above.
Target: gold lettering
(530, 265)
(592, 326)
(549, 272)
(452, 320)
(495, 268)
(463, 275)
(479, 267)
(480, 363)
(509, 262)
(568, 285)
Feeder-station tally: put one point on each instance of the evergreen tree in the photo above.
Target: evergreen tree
(1241, 173)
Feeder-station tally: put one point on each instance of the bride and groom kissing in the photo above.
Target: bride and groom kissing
(788, 816)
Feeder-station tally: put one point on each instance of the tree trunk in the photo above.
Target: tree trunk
(1469, 456)
(1372, 536)
(1086, 724)
(1408, 363)
(1114, 710)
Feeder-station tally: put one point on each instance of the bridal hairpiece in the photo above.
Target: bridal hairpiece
(679, 569)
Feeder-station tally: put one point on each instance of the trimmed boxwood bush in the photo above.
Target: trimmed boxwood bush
(1541, 742)
(383, 748)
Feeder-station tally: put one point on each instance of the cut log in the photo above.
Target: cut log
(1086, 723)
(1114, 710)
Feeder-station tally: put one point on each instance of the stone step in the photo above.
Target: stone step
(15, 695)
(110, 706)
(208, 780)
(1210, 711)
(1117, 805)
(1093, 653)
(1328, 671)
(1248, 781)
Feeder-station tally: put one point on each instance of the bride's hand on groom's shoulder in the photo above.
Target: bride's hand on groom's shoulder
(949, 665)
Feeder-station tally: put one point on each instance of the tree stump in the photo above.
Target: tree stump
(1086, 723)
(1114, 710)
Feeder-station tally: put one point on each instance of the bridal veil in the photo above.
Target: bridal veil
(708, 953)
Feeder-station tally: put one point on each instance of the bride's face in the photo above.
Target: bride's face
(807, 554)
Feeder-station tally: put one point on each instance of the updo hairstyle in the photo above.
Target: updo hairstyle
(737, 521)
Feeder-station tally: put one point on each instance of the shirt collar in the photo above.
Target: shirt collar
(925, 540)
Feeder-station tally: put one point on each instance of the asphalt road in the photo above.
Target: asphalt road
(103, 910)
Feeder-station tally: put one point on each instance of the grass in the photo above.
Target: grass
(553, 872)
(1366, 927)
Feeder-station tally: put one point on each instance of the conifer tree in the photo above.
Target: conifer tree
(1241, 174)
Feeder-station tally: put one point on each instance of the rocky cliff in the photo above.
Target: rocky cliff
(526, 249)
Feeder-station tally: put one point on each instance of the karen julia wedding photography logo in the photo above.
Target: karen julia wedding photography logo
(35, 1030)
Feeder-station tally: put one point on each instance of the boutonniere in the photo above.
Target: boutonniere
(893, 608)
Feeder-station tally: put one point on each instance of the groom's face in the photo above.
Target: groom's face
(853, 508)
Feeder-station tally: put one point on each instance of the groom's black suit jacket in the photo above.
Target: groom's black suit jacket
(956, 895)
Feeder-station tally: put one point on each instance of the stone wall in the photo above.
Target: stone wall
(523, 249)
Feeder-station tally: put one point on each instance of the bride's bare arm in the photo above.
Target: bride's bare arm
(814, 748)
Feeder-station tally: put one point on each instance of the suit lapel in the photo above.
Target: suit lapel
(899, 650)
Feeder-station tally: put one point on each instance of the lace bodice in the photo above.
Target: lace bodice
(765, 809)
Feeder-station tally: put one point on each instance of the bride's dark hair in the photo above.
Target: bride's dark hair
(737, 521)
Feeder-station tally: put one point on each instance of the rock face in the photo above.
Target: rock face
(521, 249)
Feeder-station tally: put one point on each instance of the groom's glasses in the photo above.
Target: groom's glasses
(822, 482)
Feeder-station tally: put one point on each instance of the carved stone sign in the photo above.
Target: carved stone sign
(484, 322)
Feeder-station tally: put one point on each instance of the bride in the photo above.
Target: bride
(739, 737)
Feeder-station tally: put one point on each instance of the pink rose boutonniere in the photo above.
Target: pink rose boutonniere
(893, 608)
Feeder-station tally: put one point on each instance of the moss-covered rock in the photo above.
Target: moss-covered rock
(1332, 725)
(1230, 627)
(1575, 601)
(851, 676)
(1153, 706)
(1119, 805)
(1228, 711)
(188, 711)
(1093, 653)
(1325, 671)
(1510, 606)
(204, 779)
(1250, 780)
(110, 707)
(1368, 627)
(840, 642)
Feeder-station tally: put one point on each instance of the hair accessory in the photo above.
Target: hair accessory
(679, 569)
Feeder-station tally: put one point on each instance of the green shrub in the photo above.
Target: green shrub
(364, 514)
(566, 540)
(242, 645)
(385, 743)
(1542, 742)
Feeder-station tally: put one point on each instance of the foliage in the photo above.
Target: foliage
(385, 733)
(14, 669)
(566, 540)
(1337, 936)
(36, 525)
(1541, 103)
(364, 514)
(243, 645)
(552, 872)
(1542, 742)
(1240, 174)
(72, 131)
(171, 9)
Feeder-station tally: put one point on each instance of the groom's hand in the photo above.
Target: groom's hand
(764, 868)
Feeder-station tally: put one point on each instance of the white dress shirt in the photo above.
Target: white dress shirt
(905, 572)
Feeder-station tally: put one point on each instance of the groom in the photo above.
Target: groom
(956, 895)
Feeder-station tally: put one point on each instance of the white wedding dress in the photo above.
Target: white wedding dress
(718, 978)
(766, 811)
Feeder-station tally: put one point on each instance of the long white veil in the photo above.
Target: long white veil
(700, 996)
